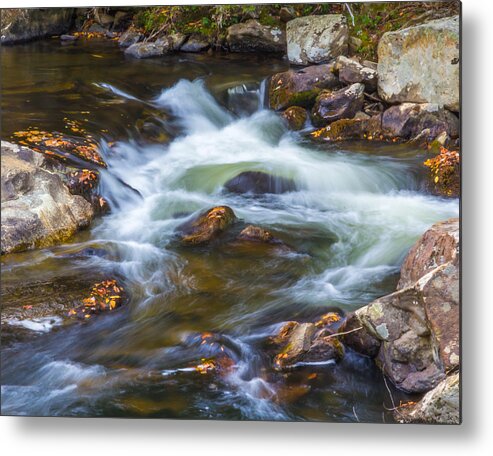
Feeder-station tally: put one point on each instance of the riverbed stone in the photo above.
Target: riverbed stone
(195, 43)
(257, 182)
(301, 87)
(350, 71)
(441, 405)
(25, 24)
(418, 325)
(148, 49)
(410, 120)
(206, 226)
(37, 207)
(420, 64)
(304, 343)
(130, 37)
(296, 117)
(252, 36)
(337, 104)
(348, 129)
(316, 39)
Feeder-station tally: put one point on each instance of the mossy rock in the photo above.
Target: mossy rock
(296, 117)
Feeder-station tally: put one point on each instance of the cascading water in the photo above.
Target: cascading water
(350, 222)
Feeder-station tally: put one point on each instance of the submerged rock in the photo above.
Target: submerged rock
(441, 405)
(416, 329)
(421, 64)
(257, 234)
(37, 207)
(25, 24)
(316, 39)
(301, 87)
(206, 226)
(257, 182)
(296, 117)
(252, 36)
(340, 104)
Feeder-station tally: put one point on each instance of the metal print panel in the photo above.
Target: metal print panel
(232, 212)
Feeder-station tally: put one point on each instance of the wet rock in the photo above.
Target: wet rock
(96, 28)
(257, 234)
(358, 337)
(440, 405)
(258, 183)
(418, 325)
(206, 226)
(84, 182)
(130, 37)
(421, 64)
(350, 71)
(195, 43)
(301, 87)
(347, 129)
(408, 120)
(68, 38)
(37, 207)
(104, 19)
(148, 49)
(252, 36)
(439, 245)
(316, 39)
(25, 24)
(296, 117)
(302, 343)
(339, 104)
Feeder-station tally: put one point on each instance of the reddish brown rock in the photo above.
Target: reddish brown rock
(207, 226)
(439, 245)
(296, 117)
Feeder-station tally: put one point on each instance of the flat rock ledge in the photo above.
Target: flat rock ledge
(38, 209)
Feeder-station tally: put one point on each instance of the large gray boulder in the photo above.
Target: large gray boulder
(148, 49)
(252, 36)
(316, 39)
(421, 64)
(26, 24)
(414, 332)
(37, 207)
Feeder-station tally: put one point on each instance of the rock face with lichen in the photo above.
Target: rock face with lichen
(206, 226)
(441, 405)
(25, 24)
(252, 36)
(420, 64)
(316, 39)
(296, 117)
(37, 207)
(414, 332)
(300, 87)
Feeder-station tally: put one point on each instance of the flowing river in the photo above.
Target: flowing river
(356, 213)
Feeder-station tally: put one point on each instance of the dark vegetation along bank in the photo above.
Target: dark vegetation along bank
(382, 73)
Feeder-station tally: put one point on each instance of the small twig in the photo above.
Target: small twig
(372, 98)
(345, 332)
(394, 407)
